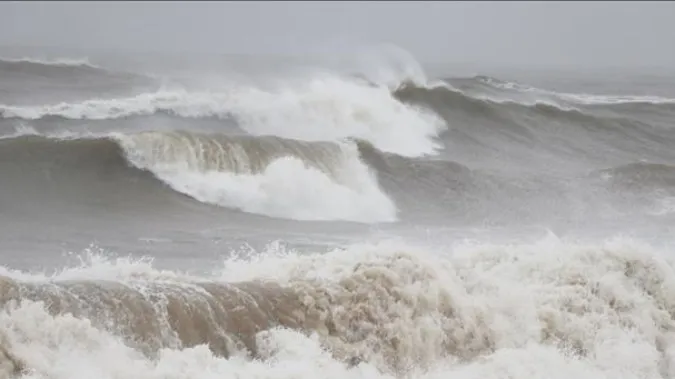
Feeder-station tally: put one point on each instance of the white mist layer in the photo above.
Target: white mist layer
(324, 107)
(286, 188)
(552, 310)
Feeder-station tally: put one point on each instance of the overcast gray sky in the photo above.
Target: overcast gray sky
(576, 33)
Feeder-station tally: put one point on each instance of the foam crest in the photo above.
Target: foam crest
(578, 98)
(334, 108)
(216, 152)
(178, 102)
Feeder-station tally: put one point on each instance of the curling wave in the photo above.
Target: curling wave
(263, 175)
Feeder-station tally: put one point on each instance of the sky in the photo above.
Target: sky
(581, 33)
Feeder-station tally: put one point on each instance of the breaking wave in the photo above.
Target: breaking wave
(326, 108)
(375, 311)
(179, 173)
(264, 175)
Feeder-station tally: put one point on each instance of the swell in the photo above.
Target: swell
(158, 173)
(640, 175)
(578, 99)
(53, 69)
(29, 84)
(442, 97)
(35, 63)
(514, 131)
(46, 176)
(198, 152)
(404, 121)
(474, 96)
(400, 125)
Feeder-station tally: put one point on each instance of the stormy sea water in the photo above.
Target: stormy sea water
(253, 218)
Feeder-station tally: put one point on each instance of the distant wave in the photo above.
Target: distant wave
(641, 175)
(63, 62)
(578, 98)
(327, 108)
(541, 119)
(208, 104)
(36, 82)
(328, 132)
(441, 98)
(263, 175)
(51, 69)
(411, 121)
(388, 310)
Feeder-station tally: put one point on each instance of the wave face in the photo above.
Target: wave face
(596, 311)
(263, 175)
(493, 123)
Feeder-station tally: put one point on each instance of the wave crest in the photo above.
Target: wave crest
(322, 108)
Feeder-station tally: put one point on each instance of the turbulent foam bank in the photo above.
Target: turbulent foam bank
(593, 310)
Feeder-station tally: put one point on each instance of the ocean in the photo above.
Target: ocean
(257, 217)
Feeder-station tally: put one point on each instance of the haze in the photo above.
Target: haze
(591, 34)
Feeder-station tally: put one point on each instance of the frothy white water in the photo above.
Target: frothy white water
(548, 310)
(20, 131)
(580, 98)
(334, 108)
(287, 187)
(324, 107)
(73, 62)
(595, 311)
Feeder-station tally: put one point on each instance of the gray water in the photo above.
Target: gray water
(165, 217)
(561, 152)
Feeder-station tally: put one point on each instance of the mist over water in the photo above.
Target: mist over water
(365, 219)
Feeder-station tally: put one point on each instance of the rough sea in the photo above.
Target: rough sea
(274, 218)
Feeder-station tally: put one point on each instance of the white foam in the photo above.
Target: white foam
(608, 303)
(287, 188)
(323, 107)
(178, 102)
(333, 108)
